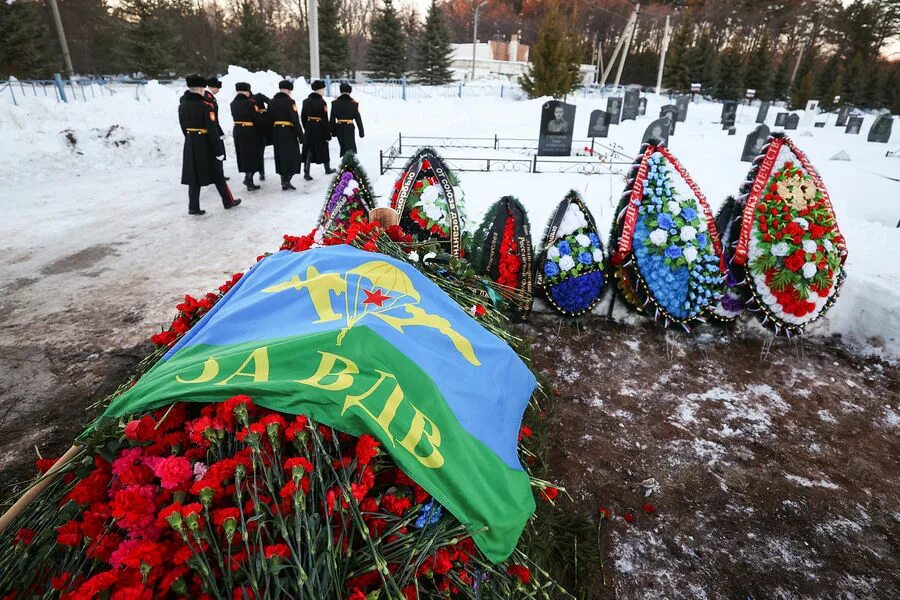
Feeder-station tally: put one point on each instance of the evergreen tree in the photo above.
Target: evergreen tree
(151, 40)
(387, 52)
(760, 68)
(434, 50)
(730, 83)
(333, 50)
(781, 80)
(827, 84)
(702, 61)
(250, 44)
(677, 73)
(23, 52)
(554, 68)
(802, 92)
(854, 81)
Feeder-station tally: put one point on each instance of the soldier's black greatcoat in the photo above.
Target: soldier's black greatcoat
(211, 99)
(265, 123)
(344, 112)
(286, 134)
(202, 143)
(248, 142)
(314, 117)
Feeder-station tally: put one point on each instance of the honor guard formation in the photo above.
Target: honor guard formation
(299, 137)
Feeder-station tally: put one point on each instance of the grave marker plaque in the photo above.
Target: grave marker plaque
(843, 115)
(792, 121)
(670, 113)
(682, 102)
(756, 139)
(729, 113)
(763, 112)
(881, 129)
(854, 124)
(599, 124)
(614, 109)
(780, 118)
(557, 125)
(631, 105)
(657, 131)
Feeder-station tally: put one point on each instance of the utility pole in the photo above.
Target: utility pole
(797, 66)
(621, 41)
(637, 8)
(62, 38)
(314, 39)
(476, 7)
(662, 56)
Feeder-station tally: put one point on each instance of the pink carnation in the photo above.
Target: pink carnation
(174, 472)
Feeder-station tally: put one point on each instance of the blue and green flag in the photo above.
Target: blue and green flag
(366, 344)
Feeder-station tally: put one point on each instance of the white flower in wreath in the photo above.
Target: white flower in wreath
(583, 240)
(810, 246)
(659, 236)
(809, 270)
(572, 221)
(429, 256)
(703, 226)
(430, 194)
(566, 263)
(780, 249)
(828, 245)
(319, 236)
(598, 256)
(690, 253)
(413, 256)
(674, 208)
(553, 253)
(434, 212)
(803, 223)
(352, 186)
(688, 233)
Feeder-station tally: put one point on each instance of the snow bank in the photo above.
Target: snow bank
(99, 139)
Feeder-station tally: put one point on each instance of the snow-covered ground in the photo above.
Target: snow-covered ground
(94, 211)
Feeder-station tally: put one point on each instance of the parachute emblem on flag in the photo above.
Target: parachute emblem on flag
(389, 289)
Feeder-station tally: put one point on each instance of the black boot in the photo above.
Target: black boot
(328, 169)
(248, 181)
(197, 212)
(306, 174)
(234, 203)
(286, 184)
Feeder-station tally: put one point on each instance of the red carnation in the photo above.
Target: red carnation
(628, 516)
(69, 534)
(648, 508)
(605, 513)
(355, 594)
(549, 494)
(524, 432)
(366, 449)
(61, 581)
(279, 550)
(395, 505)
(23, 536)
(140, 430)
(795, 261)
(174, 472)
(521, 572)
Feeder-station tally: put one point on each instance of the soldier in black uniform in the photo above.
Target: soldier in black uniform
(344, 111)
(314, 118)
(265, 129)
(213, 86)
(248, 143)
(286, 133)
(204, 150)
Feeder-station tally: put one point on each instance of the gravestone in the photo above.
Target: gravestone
(557, 125)
(657, 131)
(812, 108)
(843, 114)
(792, 121)
(729, 113)
(854, 124)
(756, 139)
(682, 102)
(763, 112)
(599, 124)
(819, 124)
(732, 130)
(631, 105)
(780, 118)
(642, 107)
(614, 109)
(881, 129)
(670, 113)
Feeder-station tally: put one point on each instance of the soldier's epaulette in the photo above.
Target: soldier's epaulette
(208, 103)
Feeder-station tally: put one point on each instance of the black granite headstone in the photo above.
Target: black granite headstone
(854, 124)
(631, 105)
(729, 113)
(756, 139)
(792, 121)
(843, 114)
(670, 113)
(819, 125)
(599, 124)
(614, 109)
(657, 131)
(557, 127)
(780, 118)
(881, 129)
(642, 107)
(763, 112)
(682, 103)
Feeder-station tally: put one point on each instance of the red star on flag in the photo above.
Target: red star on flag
(375, 297)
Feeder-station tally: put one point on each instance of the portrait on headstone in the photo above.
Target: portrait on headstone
(669, 112)
(657, 131)
(792, 121)
(599, 124)
(763, 112)
(780, 118)
(843, 115)
(682, 102)
(729, 113)
(630, 105)
(881, 129)
(614, 109)
(756, 139)
(557, 121)
(642, 107)
(854, 124)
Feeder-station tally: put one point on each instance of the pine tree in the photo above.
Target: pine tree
(387, 52)
(854, 81)
(827, 84)
(729, 85)
(802, 92)
(333, 50)
(434, 50)
(553, 70)
(702, 61)
(152, 42)
(781, 80)
(23, 52)
(760, 67)
(250, 44)
(677, 73)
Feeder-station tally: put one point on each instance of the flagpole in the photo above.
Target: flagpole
(35, 490)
